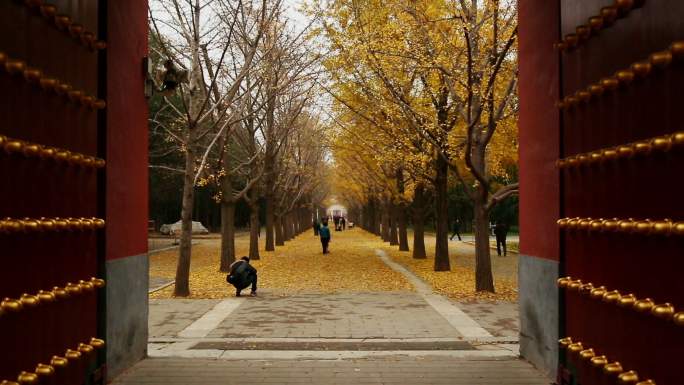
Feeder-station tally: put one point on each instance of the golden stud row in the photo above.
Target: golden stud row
(606, 17)
(644, 227)
(36, 76)
(30, 225)
(611, 369)
(64, 23)
(646, 305)
(33, 150)
(625, 77)
(661, 144)
(44, 371)
(9, 305)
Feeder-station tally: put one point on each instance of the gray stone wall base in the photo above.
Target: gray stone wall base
(538, 301)
(127, 311)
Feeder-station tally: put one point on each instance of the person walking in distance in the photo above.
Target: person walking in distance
(500, 231)
(457, 230)
(324, 233)
(241, 275)
(316, 227)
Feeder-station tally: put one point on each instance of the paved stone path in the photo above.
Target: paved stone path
(354, 315)
(157, 283)
(499, 318)
(168, 317)
(346, 338)
(392, 370)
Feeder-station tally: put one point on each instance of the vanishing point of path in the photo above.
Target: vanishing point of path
(408, 336)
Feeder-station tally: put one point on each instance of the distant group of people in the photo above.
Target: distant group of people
(340, 223)
(499, 229)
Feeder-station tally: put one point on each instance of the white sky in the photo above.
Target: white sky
(298, 19)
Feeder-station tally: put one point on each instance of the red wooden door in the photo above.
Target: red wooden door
(622, 66)
(51, 198)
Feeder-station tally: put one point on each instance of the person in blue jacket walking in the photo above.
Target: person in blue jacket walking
(324, 234)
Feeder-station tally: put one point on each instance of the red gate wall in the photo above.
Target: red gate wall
(126, 185)
(49, 162)
(627, 196)
(127, 178)
(539, 138)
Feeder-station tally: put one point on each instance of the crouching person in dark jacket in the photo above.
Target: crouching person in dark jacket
(241, 275)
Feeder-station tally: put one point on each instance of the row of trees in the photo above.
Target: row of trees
(244, 124)
(427, 89)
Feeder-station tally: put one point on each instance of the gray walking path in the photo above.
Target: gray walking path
(394, 370)
(377, 338)
(466, 326)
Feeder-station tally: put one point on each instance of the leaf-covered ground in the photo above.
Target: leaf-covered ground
(459, 283)
(299, 266)
(352, 265)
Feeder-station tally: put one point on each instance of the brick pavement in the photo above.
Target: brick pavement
(392, 370)
(352, 315)
(168, 317)
(345, 338)
(497, 317)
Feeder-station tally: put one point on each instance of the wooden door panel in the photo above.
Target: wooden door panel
(49, 197)
(644, 189)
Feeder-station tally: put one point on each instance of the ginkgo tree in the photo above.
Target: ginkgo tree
(439, 76)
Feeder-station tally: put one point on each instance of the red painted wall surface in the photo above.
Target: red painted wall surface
(539, 128)
(127, 181)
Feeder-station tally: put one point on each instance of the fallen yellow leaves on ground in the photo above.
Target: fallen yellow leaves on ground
(459, 283)
(299, 266)
(352, 265)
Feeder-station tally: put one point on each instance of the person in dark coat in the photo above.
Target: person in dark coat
(500, 231)
(316, 227)
(457, 229)
(324, 232)
(241, 275)
(343, 222)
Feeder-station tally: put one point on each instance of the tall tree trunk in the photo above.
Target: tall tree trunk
(484, 281)
(288, 226)
(393, 236)
(182, 286)
(279, 237)
(377, 211)
(196, 100)
(298, 222)
(418, 210)
(441, 216)
(384, 217)
(401, 224)
(254, 232)
(295, 224)
(283, 224)
(369, 216)
(227, 235)
(270, 219)
(304, 220)
(400, 213)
